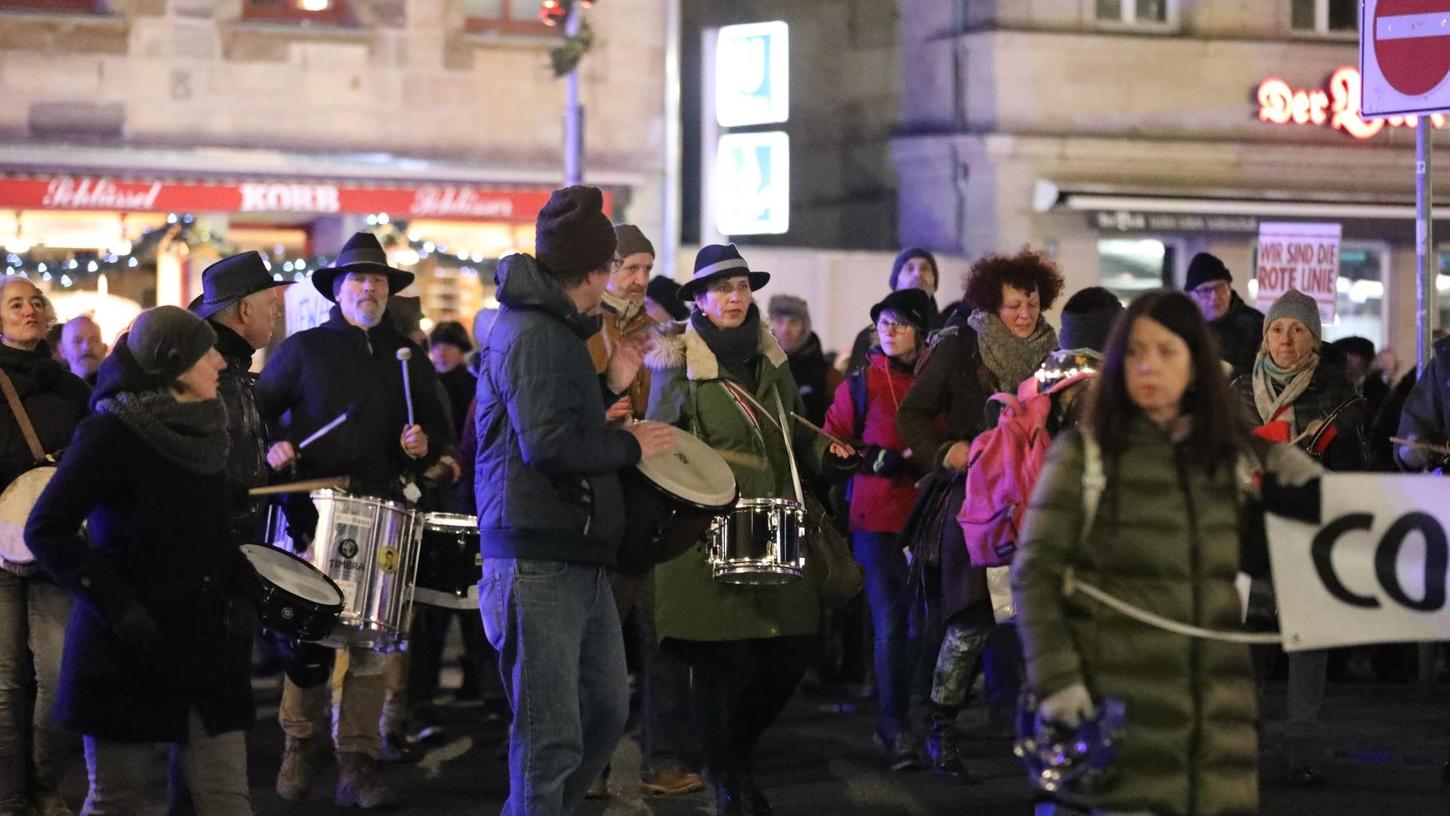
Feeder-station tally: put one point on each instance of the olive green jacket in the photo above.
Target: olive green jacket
(687, 391)
(1166, 539)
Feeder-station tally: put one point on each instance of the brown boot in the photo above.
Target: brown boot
(358, 784)
(299, 768)
(671, 778)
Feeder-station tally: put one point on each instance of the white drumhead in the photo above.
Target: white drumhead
(16, 503)
(287, 572)
(693, 471)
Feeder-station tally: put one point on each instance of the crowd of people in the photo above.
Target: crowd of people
(1176, 422)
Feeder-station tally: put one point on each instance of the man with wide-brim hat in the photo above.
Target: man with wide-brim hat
(350, 365)
(243, 303)
(719, 261)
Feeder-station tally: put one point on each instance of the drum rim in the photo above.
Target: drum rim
(709, 508)
(426, 517)
(768, 501)
(341, 598)
(639, 468)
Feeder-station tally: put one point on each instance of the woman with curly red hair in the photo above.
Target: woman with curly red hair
(995, 343)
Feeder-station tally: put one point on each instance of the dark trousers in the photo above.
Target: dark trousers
(664, 696)
(739, 689)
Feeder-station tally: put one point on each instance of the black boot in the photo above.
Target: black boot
(730, 800)
(941, 746)
(755, 802)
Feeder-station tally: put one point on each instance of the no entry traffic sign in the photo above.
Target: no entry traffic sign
(1404, 57)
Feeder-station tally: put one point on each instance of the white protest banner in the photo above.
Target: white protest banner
(1298, 256)
(1373, 571)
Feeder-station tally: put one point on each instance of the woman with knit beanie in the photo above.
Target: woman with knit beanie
(1294, 395)
(996, 344)
(159, 652)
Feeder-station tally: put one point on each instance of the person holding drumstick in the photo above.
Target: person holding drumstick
(159, 649)
(349, 366)
(747, 646)
(551, 508)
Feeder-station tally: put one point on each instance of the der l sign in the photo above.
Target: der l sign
(752, 74)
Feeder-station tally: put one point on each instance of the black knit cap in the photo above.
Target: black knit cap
(906, 255)
(666, 293)
(913, 305)
(1204, 268)
(452, 333)
(167, 340)
(572, 235)
(1087, 318)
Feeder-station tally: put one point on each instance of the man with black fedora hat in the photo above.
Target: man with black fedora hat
(349, 366)
(243, 303)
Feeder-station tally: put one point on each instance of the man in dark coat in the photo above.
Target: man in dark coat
(790, 324)
(1426, 414)
(348, 365)
(33, 609)
(1238, 327)
(243, 304)
(551, 508)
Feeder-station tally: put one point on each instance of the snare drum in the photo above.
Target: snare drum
(369, 548)
(449, 562)
(671, 501)
(297, 600)
(762, 543)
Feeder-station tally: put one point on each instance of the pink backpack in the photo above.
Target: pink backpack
(1002, 468)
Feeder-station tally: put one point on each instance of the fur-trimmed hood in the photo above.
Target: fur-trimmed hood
(675, 348)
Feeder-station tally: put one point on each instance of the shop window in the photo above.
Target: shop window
(1442, 287)
(1325, 16)
(45, 6)
(330, 12)
(507, 16)
(1361, 300)
(1130, 266)
(1156, 13)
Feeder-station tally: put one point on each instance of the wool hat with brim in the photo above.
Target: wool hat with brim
(912, 305)
(715, 261)
(165, 341)
(362, 253)
(230, 280)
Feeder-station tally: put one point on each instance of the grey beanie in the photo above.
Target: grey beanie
(1299, 306)
(168, 340)
(629, 240)
(790, 306)
(1087, 319)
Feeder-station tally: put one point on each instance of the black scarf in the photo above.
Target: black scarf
(30, 371)
(191, 435)
(737, 349)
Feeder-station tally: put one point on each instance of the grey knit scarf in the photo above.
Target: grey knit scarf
(1277, 388)
(1010, 358)
(191, 435)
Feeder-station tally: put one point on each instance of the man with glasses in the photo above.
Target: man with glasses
(1238, 326)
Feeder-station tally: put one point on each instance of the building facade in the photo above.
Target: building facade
(1126, 135)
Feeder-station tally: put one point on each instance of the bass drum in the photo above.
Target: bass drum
(671, 500)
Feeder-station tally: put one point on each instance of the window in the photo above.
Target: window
(1130, 266)
(1360, 305)
(330, 12)
(1326, 16)
(1134, 12)
(1442, 287)
(506, 16)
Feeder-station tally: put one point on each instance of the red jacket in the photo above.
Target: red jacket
(879, 504)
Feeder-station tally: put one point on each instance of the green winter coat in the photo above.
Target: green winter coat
(687, 392)
(1166, 539)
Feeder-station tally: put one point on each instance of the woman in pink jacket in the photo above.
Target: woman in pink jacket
(882, 494)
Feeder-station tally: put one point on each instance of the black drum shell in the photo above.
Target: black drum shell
(659, 526)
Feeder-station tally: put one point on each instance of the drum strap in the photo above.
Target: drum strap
(795, 475)
(22, 418)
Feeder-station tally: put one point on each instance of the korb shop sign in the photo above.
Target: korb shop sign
(1298, 256)
(1404, 56)
(449, 201)
(1375, 569)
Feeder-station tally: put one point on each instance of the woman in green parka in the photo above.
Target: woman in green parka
(1165, 538)
(747, 646)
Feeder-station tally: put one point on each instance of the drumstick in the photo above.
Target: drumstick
(811, 426)
(1443, 450)
(331, 483)
(404, 355)
(323, 431)
(754, 403)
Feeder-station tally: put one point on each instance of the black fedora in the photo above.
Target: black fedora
(720, 261)
(361, 253)
(231, 279)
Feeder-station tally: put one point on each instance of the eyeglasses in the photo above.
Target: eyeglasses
(1209, 290)
(892, 327)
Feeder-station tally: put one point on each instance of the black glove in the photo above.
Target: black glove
(884, 461)
(137, 630)
(837, 468)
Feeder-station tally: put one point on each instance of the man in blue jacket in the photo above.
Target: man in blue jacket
(550, 505)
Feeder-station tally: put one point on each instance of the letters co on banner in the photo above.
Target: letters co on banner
(1373, 571)
(1299, 256)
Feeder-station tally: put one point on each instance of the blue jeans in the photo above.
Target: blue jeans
(561, 658)
(886, 574)
(33, 615)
